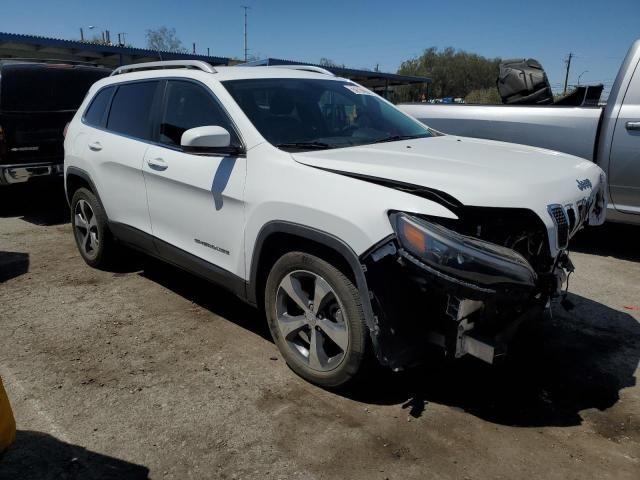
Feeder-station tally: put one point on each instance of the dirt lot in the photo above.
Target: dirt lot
(149, 371)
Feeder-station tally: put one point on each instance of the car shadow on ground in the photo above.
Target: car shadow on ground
(36, 455)
(205, 294)
(609, 240)
(557, 367)
(40, 203)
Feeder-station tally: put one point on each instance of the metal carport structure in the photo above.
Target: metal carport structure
(14, 45)
(379, 82)
(33, 47)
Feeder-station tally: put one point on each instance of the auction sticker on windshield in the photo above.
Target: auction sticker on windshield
(359, 90)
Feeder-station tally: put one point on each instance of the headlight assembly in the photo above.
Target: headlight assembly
(459, 256)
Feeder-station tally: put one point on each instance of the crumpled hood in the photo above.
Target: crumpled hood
(476, 172)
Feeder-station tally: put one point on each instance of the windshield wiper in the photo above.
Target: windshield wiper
(395, 138)
(305, 145)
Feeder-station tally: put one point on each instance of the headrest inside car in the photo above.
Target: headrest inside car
(282, 104)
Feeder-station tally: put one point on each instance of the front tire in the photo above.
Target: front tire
(90, 230)
(316, 319)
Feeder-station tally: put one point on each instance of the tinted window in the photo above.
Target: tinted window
(188, 106)
(130, 112)
(45, 88)
(95, 114)
(292, 113)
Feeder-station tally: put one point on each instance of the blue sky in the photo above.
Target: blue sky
(358, 33)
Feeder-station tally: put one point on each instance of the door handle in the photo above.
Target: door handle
(95, 146)
(157, 164)
(632, 125)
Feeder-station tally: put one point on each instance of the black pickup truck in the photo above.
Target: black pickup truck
(37, 100)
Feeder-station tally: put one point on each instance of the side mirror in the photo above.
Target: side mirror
(207, 137)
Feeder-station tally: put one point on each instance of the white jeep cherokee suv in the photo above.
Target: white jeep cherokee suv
(360, 230)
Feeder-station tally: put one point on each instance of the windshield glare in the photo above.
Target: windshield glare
(306, 114)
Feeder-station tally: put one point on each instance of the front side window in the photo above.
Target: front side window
(188, 105)
(130, 112)
(300, 114)
(96, 113)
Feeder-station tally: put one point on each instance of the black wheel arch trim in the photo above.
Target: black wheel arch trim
(327, 240)
(87, 178)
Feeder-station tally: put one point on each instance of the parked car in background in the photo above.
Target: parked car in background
(37, 100)
(608, 136)
(360, 230)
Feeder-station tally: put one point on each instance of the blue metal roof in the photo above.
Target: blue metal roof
(13, 45)
(17, 43)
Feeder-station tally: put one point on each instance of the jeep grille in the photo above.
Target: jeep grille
(561, 221)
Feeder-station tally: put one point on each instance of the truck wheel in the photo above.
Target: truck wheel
(89, 222)
(316, 320)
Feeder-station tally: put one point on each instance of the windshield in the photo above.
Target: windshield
(306, 114)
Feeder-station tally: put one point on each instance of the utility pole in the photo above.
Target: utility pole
(566, 77)
(81, 35)
(580, 76)
(245, 33)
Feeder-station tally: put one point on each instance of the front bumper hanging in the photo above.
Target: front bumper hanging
(416, 307)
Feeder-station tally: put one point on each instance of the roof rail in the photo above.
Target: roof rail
(308, 68)
(194, 64)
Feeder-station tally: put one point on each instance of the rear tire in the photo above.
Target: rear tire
(316, 319)
(89, 222)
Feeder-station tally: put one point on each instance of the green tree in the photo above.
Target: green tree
(484, 96)
(164, 39)
(327, 62)
(454, 73)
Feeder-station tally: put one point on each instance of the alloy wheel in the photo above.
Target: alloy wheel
(310, 319)
(86, 228)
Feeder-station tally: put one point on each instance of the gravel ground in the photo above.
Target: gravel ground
(151, 372)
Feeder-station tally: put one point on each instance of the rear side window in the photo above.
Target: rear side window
(96, 113)
(188, 106)
(130, 112)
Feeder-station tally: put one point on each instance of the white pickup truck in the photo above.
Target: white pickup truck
(608, 136)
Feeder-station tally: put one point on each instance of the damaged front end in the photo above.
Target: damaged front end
(464, 285)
